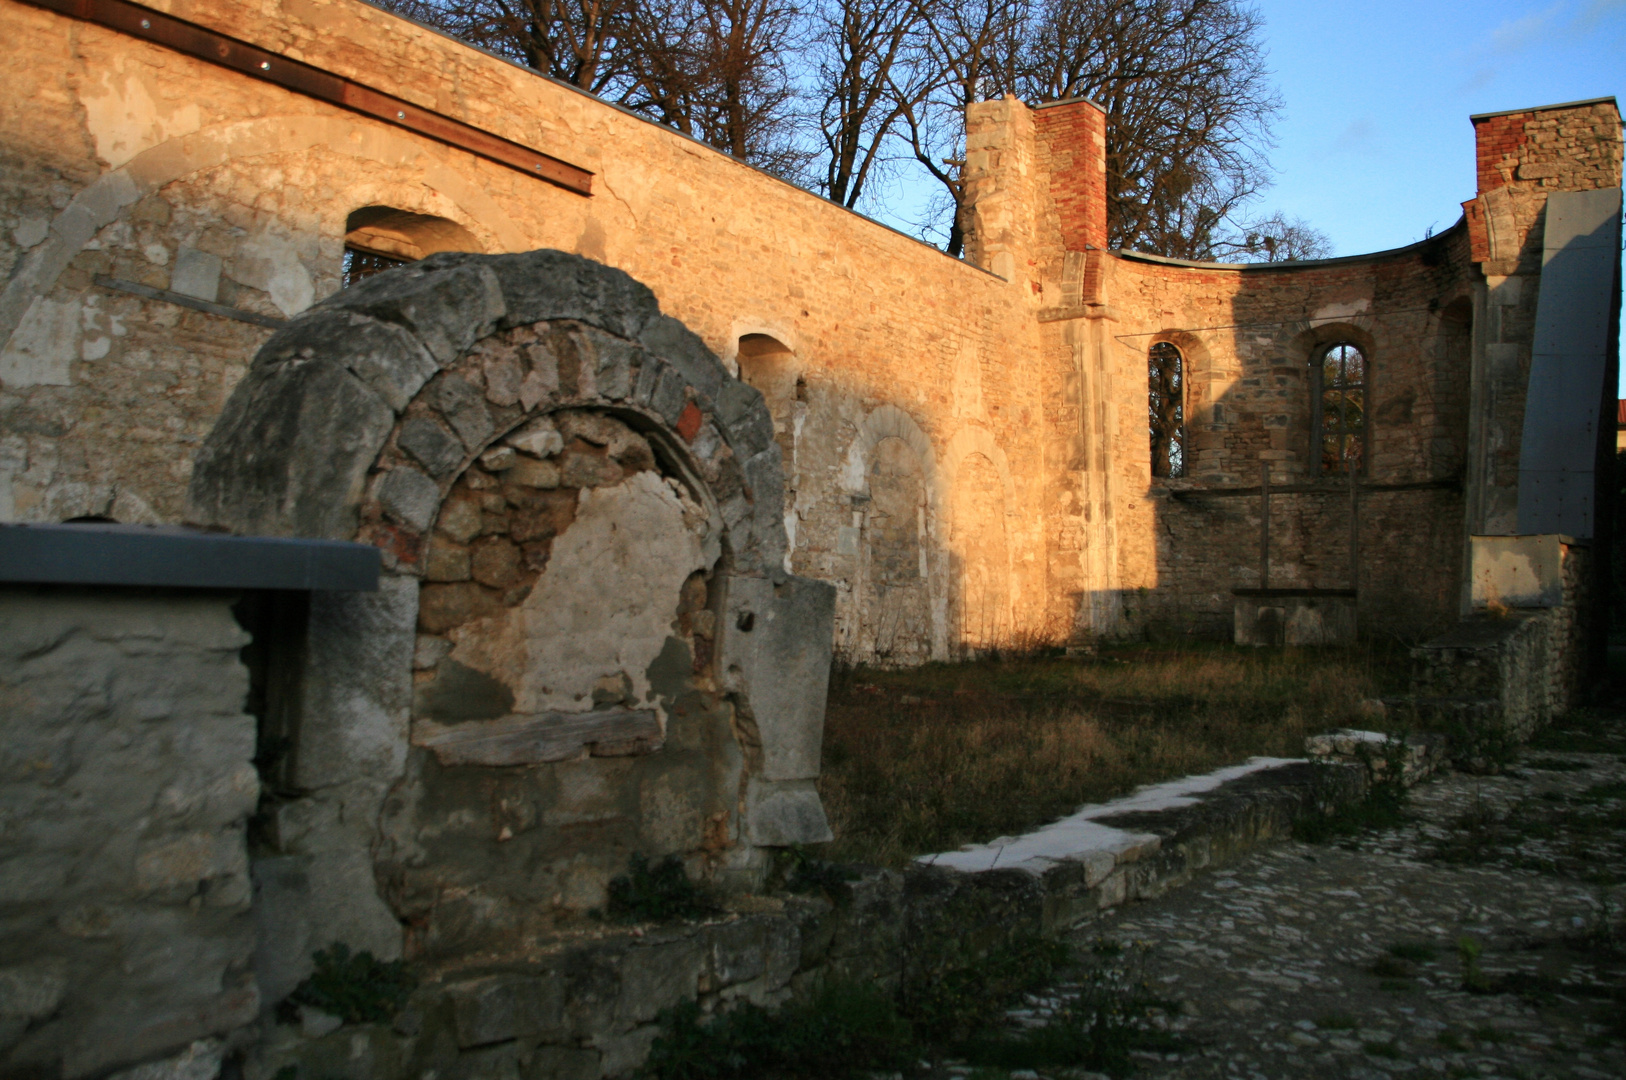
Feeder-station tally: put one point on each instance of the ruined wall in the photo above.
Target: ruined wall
(586, 646)
(1249, 339)
(127, 783)
(1521, 157)
(135, 162)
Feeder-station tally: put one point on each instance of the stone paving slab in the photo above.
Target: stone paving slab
(1300, 960)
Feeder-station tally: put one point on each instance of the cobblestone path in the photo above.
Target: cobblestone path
(1348, 959)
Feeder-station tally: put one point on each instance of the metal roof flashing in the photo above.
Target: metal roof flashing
(168, 556)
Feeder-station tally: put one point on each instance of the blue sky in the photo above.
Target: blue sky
(1374, 147)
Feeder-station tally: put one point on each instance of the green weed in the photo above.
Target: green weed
(655, 893)
(357, 988)
(1383, 1050)
(1474, 980)
(845, 1029)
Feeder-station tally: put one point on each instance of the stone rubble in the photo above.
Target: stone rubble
(1281, 962)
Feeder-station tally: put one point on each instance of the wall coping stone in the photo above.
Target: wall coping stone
(106, 553)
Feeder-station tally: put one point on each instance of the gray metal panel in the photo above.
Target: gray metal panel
(1569, 357)
(108, 554)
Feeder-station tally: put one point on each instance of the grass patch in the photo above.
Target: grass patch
(847, 1028)
(930, 758)
(844, 1029)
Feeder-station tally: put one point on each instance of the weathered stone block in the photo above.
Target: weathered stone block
(384, 356)
(448, 301)
(290, 454)
(654, 977)
(782, 813)
(546, 285)
(503, 1007)
(776, 649)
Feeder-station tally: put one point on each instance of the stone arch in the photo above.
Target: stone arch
(893, 619)
(981, 509)
(405, 234)
(107, 198)
(437, 411)
(772, 367)
(980, 548)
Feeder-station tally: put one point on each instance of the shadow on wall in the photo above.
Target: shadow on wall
(1383, 392)
(912, 529)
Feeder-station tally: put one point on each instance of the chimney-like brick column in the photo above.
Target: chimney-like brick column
(1073, 134)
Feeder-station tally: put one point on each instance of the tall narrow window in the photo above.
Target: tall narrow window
(1338, 386)
(1166, 409)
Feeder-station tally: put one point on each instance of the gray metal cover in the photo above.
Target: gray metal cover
(171, 557)
(1574, 328)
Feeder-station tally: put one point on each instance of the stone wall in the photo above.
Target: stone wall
(587, 646)
(128, 780)
(585, 1006)
(141, 164)
(1504, 671)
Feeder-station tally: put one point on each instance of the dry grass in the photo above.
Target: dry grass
(948, 754)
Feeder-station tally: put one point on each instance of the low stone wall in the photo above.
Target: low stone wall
(585, 1007)
(1504, 671)
(125, 783)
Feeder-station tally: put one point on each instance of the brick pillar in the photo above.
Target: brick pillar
(1074, 133)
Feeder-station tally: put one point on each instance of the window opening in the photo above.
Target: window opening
(360, 264)
(1340, 417)
(1166, 409)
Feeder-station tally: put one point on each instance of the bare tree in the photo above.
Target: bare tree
(1274, 239)
(1188, 105)
(973, 52)
(868, 73)
(572, 40)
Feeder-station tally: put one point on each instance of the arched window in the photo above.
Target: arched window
(1338, 420)
(379, 238)
(1166, 409)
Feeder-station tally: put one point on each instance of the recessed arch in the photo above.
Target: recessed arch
(108, 198)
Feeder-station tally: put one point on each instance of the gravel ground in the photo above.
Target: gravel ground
(1350, 959)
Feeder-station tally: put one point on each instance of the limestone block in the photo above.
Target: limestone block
(384, 356)
(535, 738)
(621, 1054)
(744, 415)
(432, 445)
(547, 285)
(738, 952)
(780, 813)
(776, 648)
(409, 497)
(357, 685)
(447, 301)
(291, 452)
(199, 1061)
(196, 274)
(464, 407)
(504, 1007)
(676, 344)
(655, 977)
